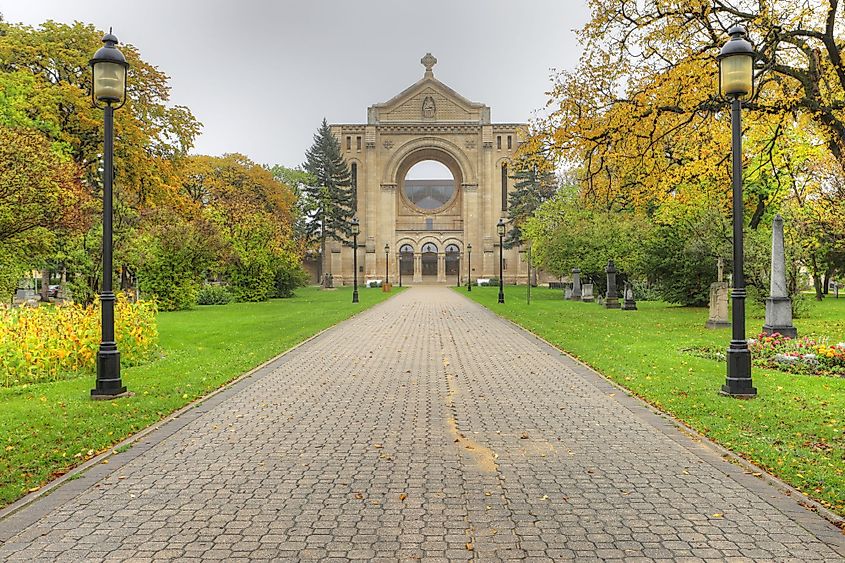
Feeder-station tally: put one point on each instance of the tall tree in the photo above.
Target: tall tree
(534, 183)
(328, 202)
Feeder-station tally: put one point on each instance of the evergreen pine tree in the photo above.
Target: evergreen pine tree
(531, 188)
(328, 202)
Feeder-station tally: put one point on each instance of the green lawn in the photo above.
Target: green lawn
(794, 429)
(48, 428)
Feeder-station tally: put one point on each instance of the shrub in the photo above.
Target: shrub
(213, 295)
(175, 256)
(644, 291)
(51, 342)
(289, 275)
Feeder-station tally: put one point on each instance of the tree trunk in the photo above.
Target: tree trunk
(45, 285)
(826, 286)
(817, 280)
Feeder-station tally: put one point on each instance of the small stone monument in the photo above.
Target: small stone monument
(629, 304)
(576, 284)
(778, 304)
(567, 292)
(718, 317)
(587, 293)
(611, 300)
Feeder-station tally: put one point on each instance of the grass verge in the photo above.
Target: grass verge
(795, 428)
(46, 429)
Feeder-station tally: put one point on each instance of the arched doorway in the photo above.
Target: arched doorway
(429, 259)
(453, 256)
(406, 260)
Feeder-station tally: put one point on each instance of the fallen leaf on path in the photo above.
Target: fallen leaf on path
(403, 496)
(470, 547)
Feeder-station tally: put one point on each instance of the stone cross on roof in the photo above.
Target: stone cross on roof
(428, 61)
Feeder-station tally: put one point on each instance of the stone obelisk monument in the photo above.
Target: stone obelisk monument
(576, 284)
(778, 304)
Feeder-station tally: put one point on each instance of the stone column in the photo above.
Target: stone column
(576, 284)
(417, 267)
(778, 304)
(441, 267)
(612, 299)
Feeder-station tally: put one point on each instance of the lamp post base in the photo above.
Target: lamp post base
(355, 296)
(109, 384)
(738, 382)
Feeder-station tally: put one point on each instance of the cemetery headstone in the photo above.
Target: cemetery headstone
(718, 317)
(587, 293)
(778, 304)
(629, 304)
(612, 299)
(567, 292)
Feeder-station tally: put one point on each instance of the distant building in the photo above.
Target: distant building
(431, 175)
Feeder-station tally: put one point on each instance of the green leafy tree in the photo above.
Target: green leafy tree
(327, 202)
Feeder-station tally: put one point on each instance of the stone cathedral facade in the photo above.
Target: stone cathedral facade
(428, 223)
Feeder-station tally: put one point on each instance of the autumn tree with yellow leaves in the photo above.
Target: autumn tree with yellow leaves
(642, 122)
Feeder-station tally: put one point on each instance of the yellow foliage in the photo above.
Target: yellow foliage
(49, 343)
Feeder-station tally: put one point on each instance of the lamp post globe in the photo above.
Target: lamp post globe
(736, 65)
(109, 71)
(736, 80)
(356, 230)
(469, 267)
(500, 229)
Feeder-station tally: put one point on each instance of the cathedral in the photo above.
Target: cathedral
(431, 176)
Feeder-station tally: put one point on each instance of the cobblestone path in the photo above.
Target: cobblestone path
(425, 428)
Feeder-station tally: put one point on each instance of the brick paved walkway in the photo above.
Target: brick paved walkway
(425, 428)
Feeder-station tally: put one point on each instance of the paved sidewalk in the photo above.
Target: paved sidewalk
(425, 428)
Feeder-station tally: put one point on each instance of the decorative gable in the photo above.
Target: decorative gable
(429, 100)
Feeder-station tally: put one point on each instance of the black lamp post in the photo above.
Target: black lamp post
(500, 228)
(469, 267)
(108, 71)
(387, 263)
(736, 80)
(400, 267)
(356, 230)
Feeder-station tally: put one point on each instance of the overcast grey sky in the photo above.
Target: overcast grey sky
(260, 75)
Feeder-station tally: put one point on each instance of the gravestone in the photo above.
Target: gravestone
(629, 304)
(718, 317)
(587, 293)
(567, 292)
(611, 300)
(576, 284)
(778, 304)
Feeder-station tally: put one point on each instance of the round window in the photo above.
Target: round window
(429, 184)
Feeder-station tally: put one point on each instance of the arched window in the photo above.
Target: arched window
(429, 259)
(354, 186)
(504, 187)
(429, 185)
(406, 260)
(453, 256)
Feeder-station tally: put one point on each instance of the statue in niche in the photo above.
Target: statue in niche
(428, 107)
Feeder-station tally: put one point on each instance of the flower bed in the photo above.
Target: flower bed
(48, 343)
(800, 355)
